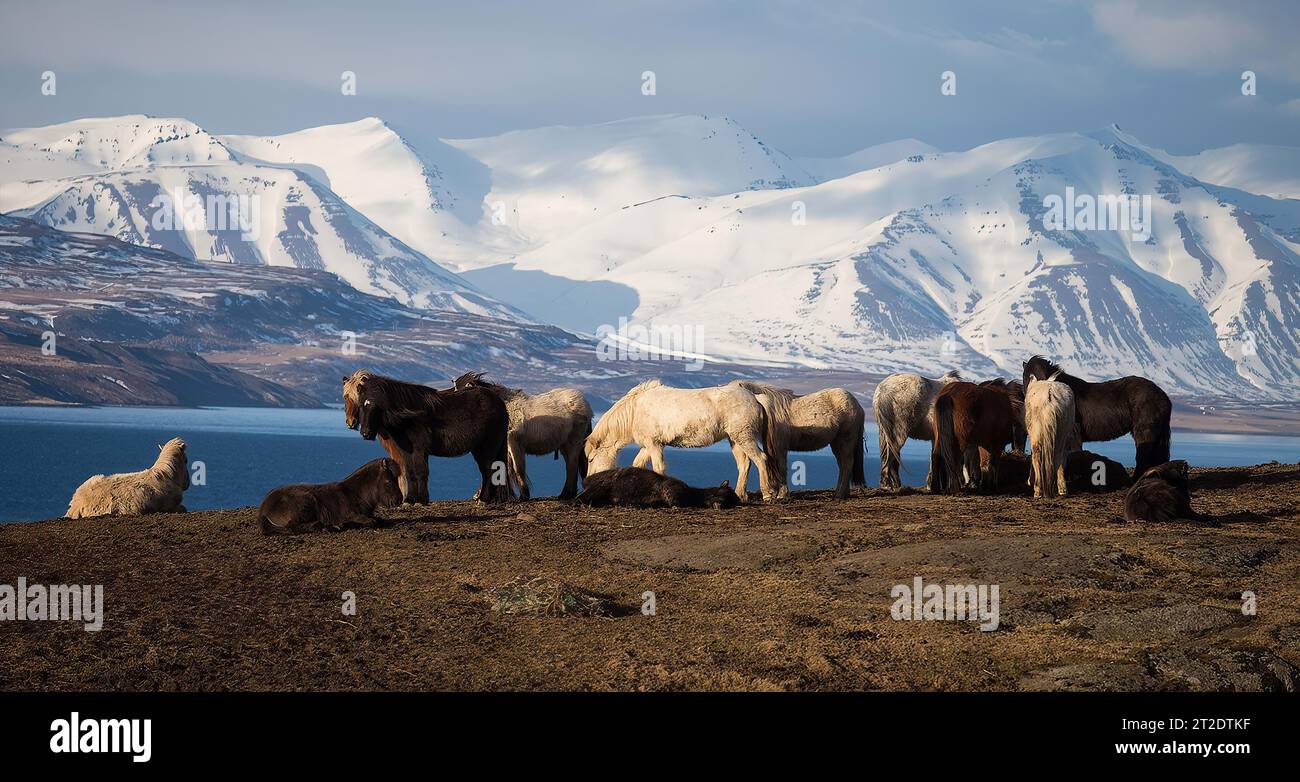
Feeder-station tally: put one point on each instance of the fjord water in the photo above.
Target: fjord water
(246, 452)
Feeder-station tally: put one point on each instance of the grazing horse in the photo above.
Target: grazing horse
(557, 421)
(642, 488)
(809, 423)
(351, 502)
(414, 422)
(1115, 408)
(155, 490)
(902, 405)
(1049, 419)
(972, 426)
(653, 416)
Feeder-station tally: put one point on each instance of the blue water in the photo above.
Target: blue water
(246, 452)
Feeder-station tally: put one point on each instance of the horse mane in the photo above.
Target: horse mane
(351, 382)
(479, 380)
(398, 396)
(620, 414)
(1043, 361)
(951, 376)
(171, 459)
(781, 395)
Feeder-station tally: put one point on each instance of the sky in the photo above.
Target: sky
(815, 78)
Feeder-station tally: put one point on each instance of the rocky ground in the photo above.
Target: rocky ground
(791, 596)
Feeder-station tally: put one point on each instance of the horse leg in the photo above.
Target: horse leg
(844, 459)
(518, 465)
(642, 458)
(419, 483)
(572, 460)
(991, 475)
(759, 459)
(742, 471)
(657, 458)
(1152, 448)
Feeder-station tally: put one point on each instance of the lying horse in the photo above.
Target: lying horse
(351, 502)
(809, 423)
(156, 490)
(1091, 472)
(1115, 408)
(972, 427)
(654, 416)
(1049, 419)
(901, 404)
(414, 422)
(1163, 493)
(557, 421)
(642, 488)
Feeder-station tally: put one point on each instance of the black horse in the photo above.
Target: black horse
(415, 422)
(1129, 405)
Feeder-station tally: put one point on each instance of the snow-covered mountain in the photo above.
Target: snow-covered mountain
(895, 257)
(168, 184)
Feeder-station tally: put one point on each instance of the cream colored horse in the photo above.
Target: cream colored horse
(902, 404)
(556, 422)
(155, 490)
(811, 422)
(1053, 433)
(653, 416)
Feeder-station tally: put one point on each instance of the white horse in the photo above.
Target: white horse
(1053, 433)
(556, 422)
(809, 423)
(902, 404)
(653, 415)
(155, 490)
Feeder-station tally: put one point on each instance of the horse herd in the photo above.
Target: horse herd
(970, 426)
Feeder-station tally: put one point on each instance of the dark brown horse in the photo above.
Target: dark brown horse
(414, 422)
(1019, 434)
(351, 502)
(642, 488)
(972, 427)
(1129, 405)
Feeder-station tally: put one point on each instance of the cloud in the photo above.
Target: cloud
(1202, 35)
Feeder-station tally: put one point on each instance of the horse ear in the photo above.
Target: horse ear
(345, 378)
(725, 485)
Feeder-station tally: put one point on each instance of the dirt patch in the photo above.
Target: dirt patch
(708, 554)
(788, 596)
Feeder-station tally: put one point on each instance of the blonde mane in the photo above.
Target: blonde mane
(171, 459)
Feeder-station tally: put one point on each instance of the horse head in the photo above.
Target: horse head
(352, 387)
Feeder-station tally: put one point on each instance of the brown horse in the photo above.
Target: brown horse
(1129, 405)
(351, 502)
(414, 422)
(972, 426)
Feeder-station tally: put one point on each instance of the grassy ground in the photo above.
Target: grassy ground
(790, 596)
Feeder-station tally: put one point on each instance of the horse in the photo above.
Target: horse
(351, 502)
(809, 423)
(1019, 434)
(414, 422)
(901, 404)
(1049, 419)
(1114, 408)
(642, 488)
(557, 421)
(158, 489)
(1163, 493)
(654, 416)
(972, 426)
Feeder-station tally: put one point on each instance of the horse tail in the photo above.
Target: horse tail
(859, 477)
(945, 454)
